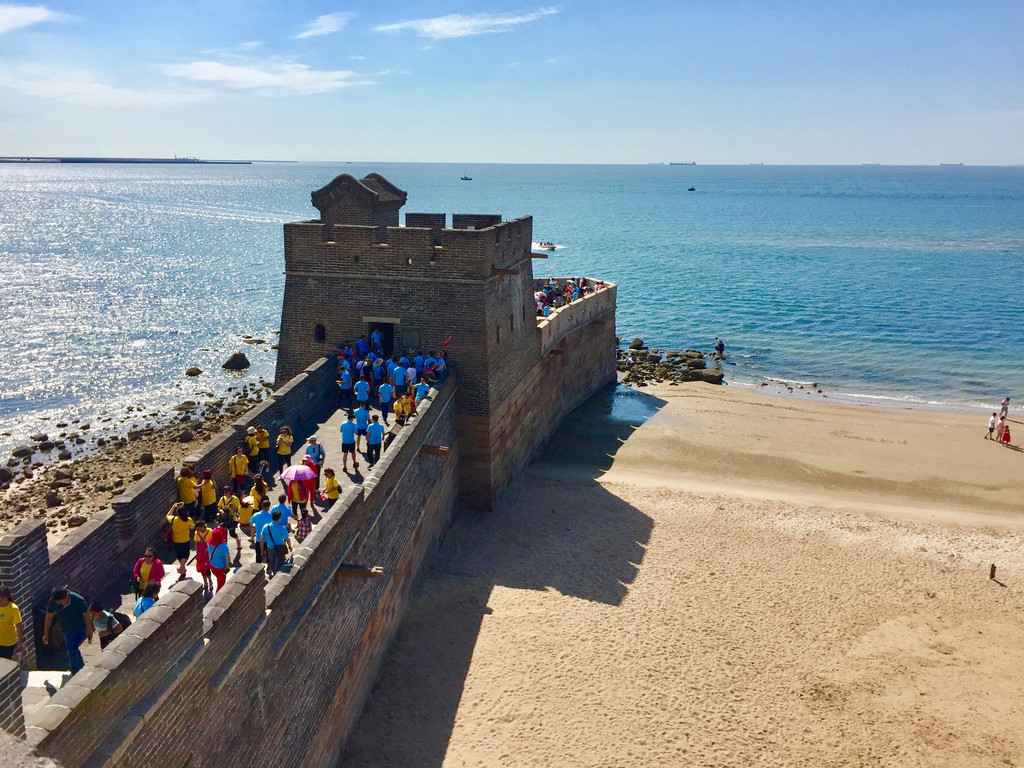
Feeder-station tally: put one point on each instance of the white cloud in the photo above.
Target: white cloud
(250, 45)
(19, 16)
(327, 24)
(269, 77)
(457, 25)
(83, 89)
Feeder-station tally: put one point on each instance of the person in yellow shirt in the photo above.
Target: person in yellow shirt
(208, 496)
(12, 637)
(244, 517)
(264, 443)
(403, 409)
(229, 506)
(284, 448)
(181, 535)
(331, 489)
(187, 489)
(252, 445)
(239, 467)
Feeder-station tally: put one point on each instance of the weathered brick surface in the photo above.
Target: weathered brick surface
(12, 718)
(284, 687)
(99, 701)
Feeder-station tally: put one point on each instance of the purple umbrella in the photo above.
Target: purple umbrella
(298, 472)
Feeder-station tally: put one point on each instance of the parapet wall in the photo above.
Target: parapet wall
(301, 651)
(578, 359)
(103, 550)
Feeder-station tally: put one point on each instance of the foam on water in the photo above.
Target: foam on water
(888, 285)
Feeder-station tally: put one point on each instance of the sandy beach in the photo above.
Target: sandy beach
(706, 576)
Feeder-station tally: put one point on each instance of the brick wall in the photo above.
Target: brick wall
(12, 719)
(104, 549)
(89, 717)
(285, 666)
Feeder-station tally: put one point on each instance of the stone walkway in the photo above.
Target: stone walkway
(39, 685)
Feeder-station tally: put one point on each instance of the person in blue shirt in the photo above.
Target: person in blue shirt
(374, 440)
(362, 390)
(418, 362)
(398, 377)
(345, 389)
(362, 420)
(148, 599)
(385, 391)
(403, 360)
(348, 443)
(284, 509)
(430, 361)
(316, 452)
(362, 347)
(275, 539)
(422, 389)
(258, 521)
(377, 338)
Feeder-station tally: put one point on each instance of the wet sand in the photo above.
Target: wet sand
(700, 576)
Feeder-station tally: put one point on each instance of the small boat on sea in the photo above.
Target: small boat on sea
(546, 246)
(466, 178)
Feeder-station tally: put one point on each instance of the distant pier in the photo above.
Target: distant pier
(135, 160)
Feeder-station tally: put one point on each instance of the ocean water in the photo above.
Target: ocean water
(883, 284)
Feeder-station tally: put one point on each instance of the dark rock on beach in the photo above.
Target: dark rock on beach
(193, 371)
(643, 367)
(237, 362)
(22, 451)
(146, 458)
(636, 344)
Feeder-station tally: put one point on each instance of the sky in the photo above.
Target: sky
(601, 81)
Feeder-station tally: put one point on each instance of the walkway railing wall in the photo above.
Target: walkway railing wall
(104, 549)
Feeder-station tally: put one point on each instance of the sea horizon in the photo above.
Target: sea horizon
(889, 284)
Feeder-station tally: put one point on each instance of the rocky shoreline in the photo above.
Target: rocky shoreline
(643, 366)
(65, 478)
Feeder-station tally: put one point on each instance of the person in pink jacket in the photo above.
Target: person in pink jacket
(148, 570)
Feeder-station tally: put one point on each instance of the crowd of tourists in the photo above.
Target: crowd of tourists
(552, 293)
(207, 521)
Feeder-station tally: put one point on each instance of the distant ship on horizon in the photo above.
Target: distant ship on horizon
(951, 165)
(684, 162)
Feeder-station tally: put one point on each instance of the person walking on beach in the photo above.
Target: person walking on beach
(991, 426)
(181, 535)
(70, 609)
(1004, 408)
(12, 636)
(1006, 435)
(719, 346)
(284, 448)
(1000, 428)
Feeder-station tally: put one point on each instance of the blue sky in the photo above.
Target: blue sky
(574, 82)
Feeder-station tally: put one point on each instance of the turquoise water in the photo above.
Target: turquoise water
(890, 285)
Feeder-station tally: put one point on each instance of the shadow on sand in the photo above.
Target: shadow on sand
(555, 528)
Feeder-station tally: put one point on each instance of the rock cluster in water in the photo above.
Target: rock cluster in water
(643, 366)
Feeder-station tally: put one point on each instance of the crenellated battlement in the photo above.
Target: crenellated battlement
(413, 252)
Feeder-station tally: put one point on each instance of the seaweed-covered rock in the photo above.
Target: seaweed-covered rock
(237, 362)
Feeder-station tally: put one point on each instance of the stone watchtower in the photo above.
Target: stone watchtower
(355, 269)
